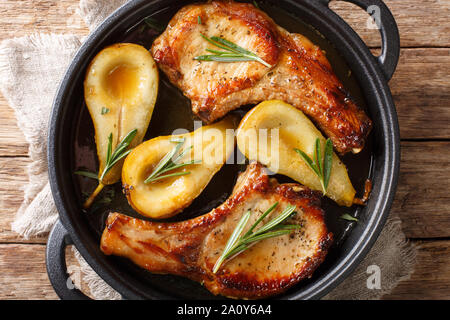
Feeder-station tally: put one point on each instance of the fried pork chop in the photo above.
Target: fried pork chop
(191, 248)
(300, 74)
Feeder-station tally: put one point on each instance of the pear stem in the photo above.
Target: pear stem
(92, 197)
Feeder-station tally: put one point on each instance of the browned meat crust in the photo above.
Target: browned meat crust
(301, 74)
(191, 248)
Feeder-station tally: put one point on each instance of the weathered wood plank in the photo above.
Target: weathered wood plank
(421, 92)
(418, 27)
(421, 201)
(422, 195)
(13, 177)
(23, 17)
(12, 141)
(24, 275)
(421, 23)
(431, 277)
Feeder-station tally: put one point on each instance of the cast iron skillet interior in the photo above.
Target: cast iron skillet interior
(72, 147)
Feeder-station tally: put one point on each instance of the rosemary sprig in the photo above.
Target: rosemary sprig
(237, 243)
(119, 153)
(169, 163)
(111, 159)
(320, 165)
(232, 53)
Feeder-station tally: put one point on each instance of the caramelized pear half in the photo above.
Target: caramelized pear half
(272, 131)
(209, 146)
(120, 91)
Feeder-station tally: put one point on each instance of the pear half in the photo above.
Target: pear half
(212, 145)
(271, 131)
(120, 91)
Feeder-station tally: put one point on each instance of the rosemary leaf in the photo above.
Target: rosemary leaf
(104, 110)
(237, 231)
(327, 162)
(321, 165)
(163, 162)
(348, 217)
(126, 141)
(308, 161)
(232, 45)
(175, 174)
(261, 218)
(288, 227)
(120, 157)
(108, 153)
(232, 53)
(266, 235)
(274, 222)
(87, 174)
(223, 58)
(318, 156)
(182, 153)
(220, 52)
(179, 165)
(169, 163)
(199, 20)
(236, 251)
(214, 42)
(113, 157)
(232, 240)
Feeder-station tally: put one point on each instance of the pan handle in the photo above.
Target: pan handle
(390, 39)
(55, 258)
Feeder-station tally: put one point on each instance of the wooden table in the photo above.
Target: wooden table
(421, 90)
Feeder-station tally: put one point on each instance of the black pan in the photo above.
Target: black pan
(71, 145)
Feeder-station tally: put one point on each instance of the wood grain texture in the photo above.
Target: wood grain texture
(421, 23)
(13, 177)
(421, 91)
(431, 277)
(24, 17)
(24, 274)
(422, 198)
